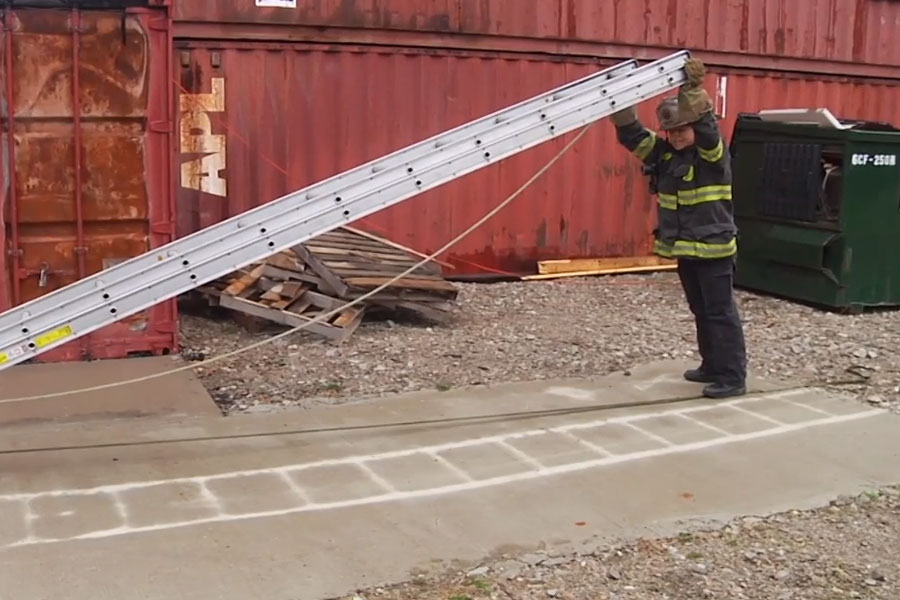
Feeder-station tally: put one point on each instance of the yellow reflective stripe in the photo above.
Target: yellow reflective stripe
(714, 155)
(663, 250)
(644, 149)
(701, 250)
(690, 175)
(668, 201)
(695, 249)
(667, 156)
(710, 193)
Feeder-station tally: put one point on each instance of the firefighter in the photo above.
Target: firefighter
(690, 173)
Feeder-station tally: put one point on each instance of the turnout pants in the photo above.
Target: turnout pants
(709, 287)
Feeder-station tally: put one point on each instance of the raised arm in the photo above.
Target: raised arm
(710, 145)
(640, 141)
(694, 100)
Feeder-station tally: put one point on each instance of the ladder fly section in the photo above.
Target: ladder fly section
(184, 264)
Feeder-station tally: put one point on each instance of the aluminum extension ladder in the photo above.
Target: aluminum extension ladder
(184, 264)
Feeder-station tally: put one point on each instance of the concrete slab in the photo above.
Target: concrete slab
(176, 394)
(297, 513)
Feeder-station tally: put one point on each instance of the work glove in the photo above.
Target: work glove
(624, 117)
(695, 71)
(694, 102)
(692, 98)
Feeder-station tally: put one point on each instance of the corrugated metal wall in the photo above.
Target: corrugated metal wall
(838, 30)
(292, 117)
(288, 114)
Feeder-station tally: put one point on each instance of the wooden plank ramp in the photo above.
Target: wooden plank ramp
(586, 267)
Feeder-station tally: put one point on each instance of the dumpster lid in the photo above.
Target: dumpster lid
(804, 116)
(821, 117)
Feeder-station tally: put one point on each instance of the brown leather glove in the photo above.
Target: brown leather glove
(692, 98)
(695, 71)
(694, 102)
(624, 117)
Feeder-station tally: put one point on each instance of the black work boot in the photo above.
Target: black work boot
(698, 376)
(724, 390)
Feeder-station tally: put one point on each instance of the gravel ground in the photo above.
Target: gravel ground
(587, 328)
(507, 332)
(847, 550)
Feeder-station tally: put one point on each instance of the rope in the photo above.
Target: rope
(327, 315)
(502, 417)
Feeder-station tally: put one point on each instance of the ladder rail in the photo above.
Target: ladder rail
(125, 271)
(214, 244)
(272, 230)
(273, 247)
(338, 183)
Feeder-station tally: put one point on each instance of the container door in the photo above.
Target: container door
(86, 158)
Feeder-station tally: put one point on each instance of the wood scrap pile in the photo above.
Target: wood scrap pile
(320, 276)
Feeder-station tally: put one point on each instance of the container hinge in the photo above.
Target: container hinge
(80, 250)
(159, 24)
(15, 252)
(165, 326)
(162, 228)
(79, 29)
(161, 126)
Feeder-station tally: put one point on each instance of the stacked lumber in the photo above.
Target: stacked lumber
(296, 286)
(584, 267)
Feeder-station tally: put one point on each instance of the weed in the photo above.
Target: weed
(334, 386)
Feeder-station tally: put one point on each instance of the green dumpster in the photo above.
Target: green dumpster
(817, 205)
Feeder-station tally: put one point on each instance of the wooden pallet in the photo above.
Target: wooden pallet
(293, 287)
(289, 303)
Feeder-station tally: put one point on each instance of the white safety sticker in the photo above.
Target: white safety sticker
(277, 3)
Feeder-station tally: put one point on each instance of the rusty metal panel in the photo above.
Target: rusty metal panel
(843, 31)
(260, 120)
(86, 170)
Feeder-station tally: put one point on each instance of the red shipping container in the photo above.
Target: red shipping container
(87, 156)
(271, 118)
(276, 118)
(852, 37)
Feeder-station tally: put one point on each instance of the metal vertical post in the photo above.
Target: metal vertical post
(15, 252)
(80, 249)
